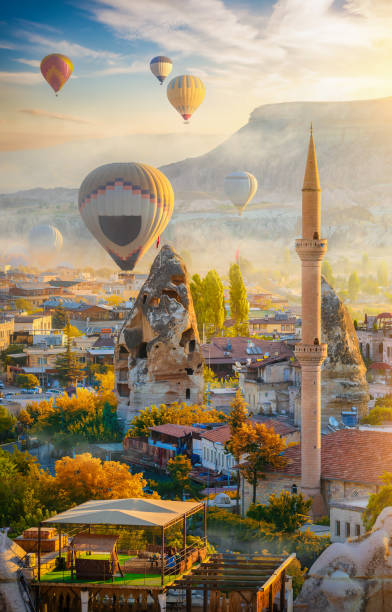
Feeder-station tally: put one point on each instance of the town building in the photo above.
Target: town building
(352, 463)
(223, 355)
(270, 384)
(33, 324)
(6, 331)
(375, 338)
(35, 293)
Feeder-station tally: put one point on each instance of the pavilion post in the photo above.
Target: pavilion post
(163, 557)
(188, 599)
(282, 591)
(184, 537)
(205, 524)
(60, 542)
(39, 552)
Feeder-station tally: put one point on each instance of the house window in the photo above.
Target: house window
(337, 528)
(347, 530)
(357, 530)
(42, 360)
(188, 394)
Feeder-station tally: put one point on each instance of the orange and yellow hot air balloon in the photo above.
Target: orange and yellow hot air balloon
(186, 93)
(56, 70)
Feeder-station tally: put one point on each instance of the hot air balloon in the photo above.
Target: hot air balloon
(161, 67)
(44, 243)
(56, 70)
(126, 206)
(186, 93)
(240, 187)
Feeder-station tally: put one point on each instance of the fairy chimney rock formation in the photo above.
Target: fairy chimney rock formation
(158, 358)
(343, 378)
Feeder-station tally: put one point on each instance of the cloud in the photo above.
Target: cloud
(20, 78)
(297, 49)
(7, 45)
(133, 68)
(69, 48)
(29, 62)
(37, 112)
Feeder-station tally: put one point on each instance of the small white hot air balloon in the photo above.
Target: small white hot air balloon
(240, 187)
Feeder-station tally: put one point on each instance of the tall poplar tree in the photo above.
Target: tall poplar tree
(197, 292)
(214, 300)
(239, 306)
(68, 368)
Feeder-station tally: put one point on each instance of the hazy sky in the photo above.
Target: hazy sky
(248, 53)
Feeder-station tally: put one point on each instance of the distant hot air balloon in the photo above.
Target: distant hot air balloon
(161, 67)
(44, 243)
(240, 187)
(186, 93)
(126, 206)
(56, 70)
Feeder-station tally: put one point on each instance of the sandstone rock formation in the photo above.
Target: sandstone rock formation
(158, 358)
(353, 577)
(343, 374)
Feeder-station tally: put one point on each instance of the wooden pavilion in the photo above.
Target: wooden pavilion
(133, 513)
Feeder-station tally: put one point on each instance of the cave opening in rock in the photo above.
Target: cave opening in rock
(144, 298)
(143, 350)
(189, 371)
(192, 346)
(187, 394)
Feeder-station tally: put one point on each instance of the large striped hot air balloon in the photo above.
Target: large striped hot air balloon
(161, 67)
(56, 70)
(240, 187)
(126, 206)
(186, 93)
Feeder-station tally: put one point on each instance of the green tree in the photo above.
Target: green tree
(286, 512)
(28, 381)
(68, 368)
(237, 418)
(326, 271)
(12, 349)
(239, 306)
(7, 425)
(179, 468)
(197, 291)
(382, 274)
(353, 286)
(365, 263)
(378, 501)
(214, 300)
(23, 304)
(59, 318)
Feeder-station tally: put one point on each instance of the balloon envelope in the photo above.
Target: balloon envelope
(126, 206)
(56, 70)
(240, 187)
(186, 93)
(44, 242)
(161, 67)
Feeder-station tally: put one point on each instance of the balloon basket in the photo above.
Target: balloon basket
(186, 122)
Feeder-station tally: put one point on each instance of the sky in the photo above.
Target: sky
(248, 53)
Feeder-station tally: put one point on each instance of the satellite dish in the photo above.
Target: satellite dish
(354, 409)
(248, 362)
(333, 422)
(237, 363)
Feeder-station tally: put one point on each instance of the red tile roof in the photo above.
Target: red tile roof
(222, 434)
(229, 350)
(349, 454)
(176, 431)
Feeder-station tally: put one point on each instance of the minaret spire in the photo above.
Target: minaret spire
(311, 179)
(310, 352)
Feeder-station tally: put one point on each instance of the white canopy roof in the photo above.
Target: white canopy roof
(134, 511)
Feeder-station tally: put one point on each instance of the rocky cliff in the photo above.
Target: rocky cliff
(344, 373)
(158, 358)
(353, 577)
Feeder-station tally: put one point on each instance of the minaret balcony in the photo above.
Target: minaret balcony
(311, 250)
(308, 354)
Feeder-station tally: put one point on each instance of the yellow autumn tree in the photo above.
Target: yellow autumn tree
(85, 477)
(179, 413)
(260, 449)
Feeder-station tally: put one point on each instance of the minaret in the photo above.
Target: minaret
(310, 352)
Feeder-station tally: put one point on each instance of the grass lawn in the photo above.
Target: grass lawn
(131, 579)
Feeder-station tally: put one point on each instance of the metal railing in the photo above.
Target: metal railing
(177, 566)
